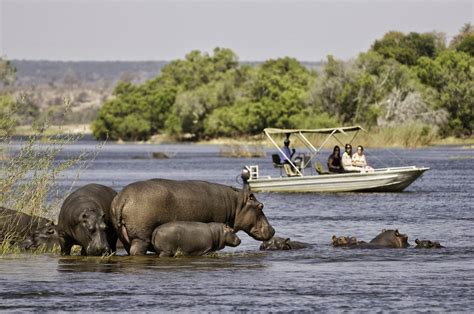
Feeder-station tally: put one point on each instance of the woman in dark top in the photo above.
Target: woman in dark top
(334, 161)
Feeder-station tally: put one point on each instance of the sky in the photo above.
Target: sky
(256, 30)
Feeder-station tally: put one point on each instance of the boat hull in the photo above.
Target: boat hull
(381, 180)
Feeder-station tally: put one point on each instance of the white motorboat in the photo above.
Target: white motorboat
(391, 179)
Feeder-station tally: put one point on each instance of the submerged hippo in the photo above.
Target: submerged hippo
(390, 239)
(192, 238)
(278, 243)
(29, 232)
(142, 206)
(427, 244)
(85, 220)
(345, 241)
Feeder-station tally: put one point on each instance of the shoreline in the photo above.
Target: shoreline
(260, 140)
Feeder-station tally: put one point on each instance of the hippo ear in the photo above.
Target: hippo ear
(287, 240)
(417, 241)
(397, 233)
(334, 237)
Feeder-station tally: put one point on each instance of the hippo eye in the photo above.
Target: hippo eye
(50, 231)
(252, 197)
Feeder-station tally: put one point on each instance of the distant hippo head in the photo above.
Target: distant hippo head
(427, 244)
(252, 220)
(45, 237)
(276, 243)
(392, 239)
(91, 232)
(231, 239)
(343, 241)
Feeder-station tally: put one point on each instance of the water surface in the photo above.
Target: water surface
(439, 206)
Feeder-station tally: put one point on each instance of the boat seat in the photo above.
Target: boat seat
(319, 168)
(276, 161)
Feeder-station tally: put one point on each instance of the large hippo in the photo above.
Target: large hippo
(85, 220)
(390, 239)
(29, 232)
(279, 243)
(192, 238)
(142, 206)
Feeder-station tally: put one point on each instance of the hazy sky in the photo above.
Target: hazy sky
(255, 30)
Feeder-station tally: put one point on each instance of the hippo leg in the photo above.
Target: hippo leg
(112, 240)
(166, 254)
(66, 245)
(139, 247)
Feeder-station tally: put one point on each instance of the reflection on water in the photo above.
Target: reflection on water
(437, 207)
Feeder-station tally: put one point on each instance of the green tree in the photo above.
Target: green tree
(451, 75)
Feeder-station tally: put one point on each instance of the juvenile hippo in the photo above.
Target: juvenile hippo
(192, 238)
(142, 206)
(85, 220)
(344, 241)
(278, 243)
(427, 244)
(390, 239)
(29, 232)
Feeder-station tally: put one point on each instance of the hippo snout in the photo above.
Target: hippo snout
(98, 251)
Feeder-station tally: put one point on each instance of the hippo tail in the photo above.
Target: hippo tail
(117, 206)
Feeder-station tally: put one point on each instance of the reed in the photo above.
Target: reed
(30, 169)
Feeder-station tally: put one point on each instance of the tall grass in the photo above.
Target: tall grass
(30, 170)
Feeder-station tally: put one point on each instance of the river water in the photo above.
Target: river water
(438, 206)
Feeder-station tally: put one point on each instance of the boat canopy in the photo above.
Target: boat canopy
(319, 131)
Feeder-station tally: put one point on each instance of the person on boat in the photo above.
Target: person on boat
(287, 152)
(347, 160)
(334, 161)
(359, 160)
(285, 158)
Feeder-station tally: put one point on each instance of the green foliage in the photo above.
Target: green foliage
(467, 44)
(451, 75)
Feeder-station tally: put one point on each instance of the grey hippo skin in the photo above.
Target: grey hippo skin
(279, 243)
(345, 241)
(390, 239)
(142, 206)
(427, 244)
(29, 232)
(85, 220)
(192, 238)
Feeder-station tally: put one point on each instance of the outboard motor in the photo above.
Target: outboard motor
(245, 174)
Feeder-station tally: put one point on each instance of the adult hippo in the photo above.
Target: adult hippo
(390, 239)
(279, 243)
(427, 244)
(142, 206)
(192, 238)
(85, 220)
(29, 232)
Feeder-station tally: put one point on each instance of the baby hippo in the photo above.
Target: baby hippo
(278, 243)
(427, 244)
(344, 241)
(192, 238)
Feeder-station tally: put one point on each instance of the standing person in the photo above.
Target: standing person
(359, 160)
(347, 160)
(334, 161)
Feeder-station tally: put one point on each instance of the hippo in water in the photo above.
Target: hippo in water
(390, 239)
(279, 243)
(142, 206)
(29, 232)
(85, 220)
(427, 244)
(192, 238)
(345, 241)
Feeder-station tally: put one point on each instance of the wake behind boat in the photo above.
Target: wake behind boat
(391, 179)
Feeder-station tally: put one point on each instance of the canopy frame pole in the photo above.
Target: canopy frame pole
(281, 151)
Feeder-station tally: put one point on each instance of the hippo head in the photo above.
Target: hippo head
(91, 232)
(45, 237)
(427, 244)
(251, 219)
(276, 243)
(391, 238)
(231, 239)
(343, 241)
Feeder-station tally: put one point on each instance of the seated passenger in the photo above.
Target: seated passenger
(285, 158)
(347, 160)
(359, 160)
(334, 161)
